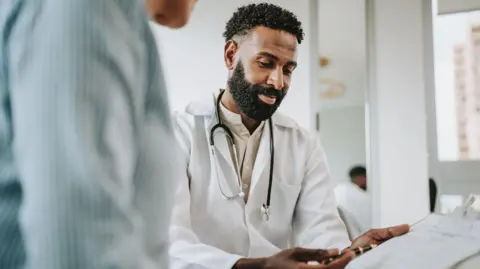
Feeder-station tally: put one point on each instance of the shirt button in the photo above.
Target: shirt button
(245, 186)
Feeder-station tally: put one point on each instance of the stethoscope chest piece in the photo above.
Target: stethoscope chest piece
(265, 210)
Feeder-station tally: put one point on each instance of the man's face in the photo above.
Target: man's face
(261, 67)
(361, 181)
(170, 13)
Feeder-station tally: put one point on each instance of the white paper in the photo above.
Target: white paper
(436, 242)
(470, 209)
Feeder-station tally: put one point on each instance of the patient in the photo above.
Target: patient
(84, 124)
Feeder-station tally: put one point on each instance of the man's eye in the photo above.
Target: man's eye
(265, 65)
(287, 71)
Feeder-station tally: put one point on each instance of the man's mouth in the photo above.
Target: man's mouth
(268, 99)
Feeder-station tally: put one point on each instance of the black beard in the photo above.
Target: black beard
(246, 94)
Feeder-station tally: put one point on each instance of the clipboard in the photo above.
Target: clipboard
(436, 241)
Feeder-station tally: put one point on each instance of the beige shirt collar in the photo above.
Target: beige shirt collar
(234, 121)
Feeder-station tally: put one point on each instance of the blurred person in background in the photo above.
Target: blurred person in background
(84, 124)
(358, 176)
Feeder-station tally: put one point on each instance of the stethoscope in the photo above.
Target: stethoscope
(265, 209)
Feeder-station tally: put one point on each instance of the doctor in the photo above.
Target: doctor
(256, 184)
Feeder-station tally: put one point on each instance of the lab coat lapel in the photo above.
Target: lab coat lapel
(262, 162)
(223, 159)
(222, 146)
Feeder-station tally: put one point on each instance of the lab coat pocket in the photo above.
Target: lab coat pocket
(283, 201)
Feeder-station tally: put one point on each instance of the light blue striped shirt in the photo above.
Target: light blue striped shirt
(86, 146)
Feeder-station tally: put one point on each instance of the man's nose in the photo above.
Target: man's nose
(276, 79)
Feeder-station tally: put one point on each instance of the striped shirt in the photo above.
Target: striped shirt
(84, 128)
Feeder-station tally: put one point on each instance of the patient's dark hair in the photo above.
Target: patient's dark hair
(264, 14)
(357, 171)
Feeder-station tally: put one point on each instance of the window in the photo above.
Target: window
(463, 145)
(457, 86)
(459, 61)
(458, 50)
(459, 73)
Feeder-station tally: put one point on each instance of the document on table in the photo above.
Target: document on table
(436, 242)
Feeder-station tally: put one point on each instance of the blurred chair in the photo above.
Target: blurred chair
(353, 204)
(354, 229)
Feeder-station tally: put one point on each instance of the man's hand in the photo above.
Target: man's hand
(297, 258)
(378, 236)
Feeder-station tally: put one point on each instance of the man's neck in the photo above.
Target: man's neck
(230, 104)
(249, 123)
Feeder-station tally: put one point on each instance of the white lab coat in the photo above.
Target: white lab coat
(208, 231)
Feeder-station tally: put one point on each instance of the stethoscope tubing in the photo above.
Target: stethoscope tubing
(229, 133)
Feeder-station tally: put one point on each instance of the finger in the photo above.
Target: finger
(381, 235)
(306, 255)
(342, 262)
(399, 230)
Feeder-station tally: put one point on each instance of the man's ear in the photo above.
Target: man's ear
(230, 50)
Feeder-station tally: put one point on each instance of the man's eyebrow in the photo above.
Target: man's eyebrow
(273, 57)
(268, 55)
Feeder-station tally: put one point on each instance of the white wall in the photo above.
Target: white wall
(342, 39)
(341, 32)
(343, 137)
(193, 57)
(396, 108)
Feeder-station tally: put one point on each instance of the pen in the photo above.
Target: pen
(358, 251)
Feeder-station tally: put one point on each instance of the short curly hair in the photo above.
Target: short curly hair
(263, 14)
